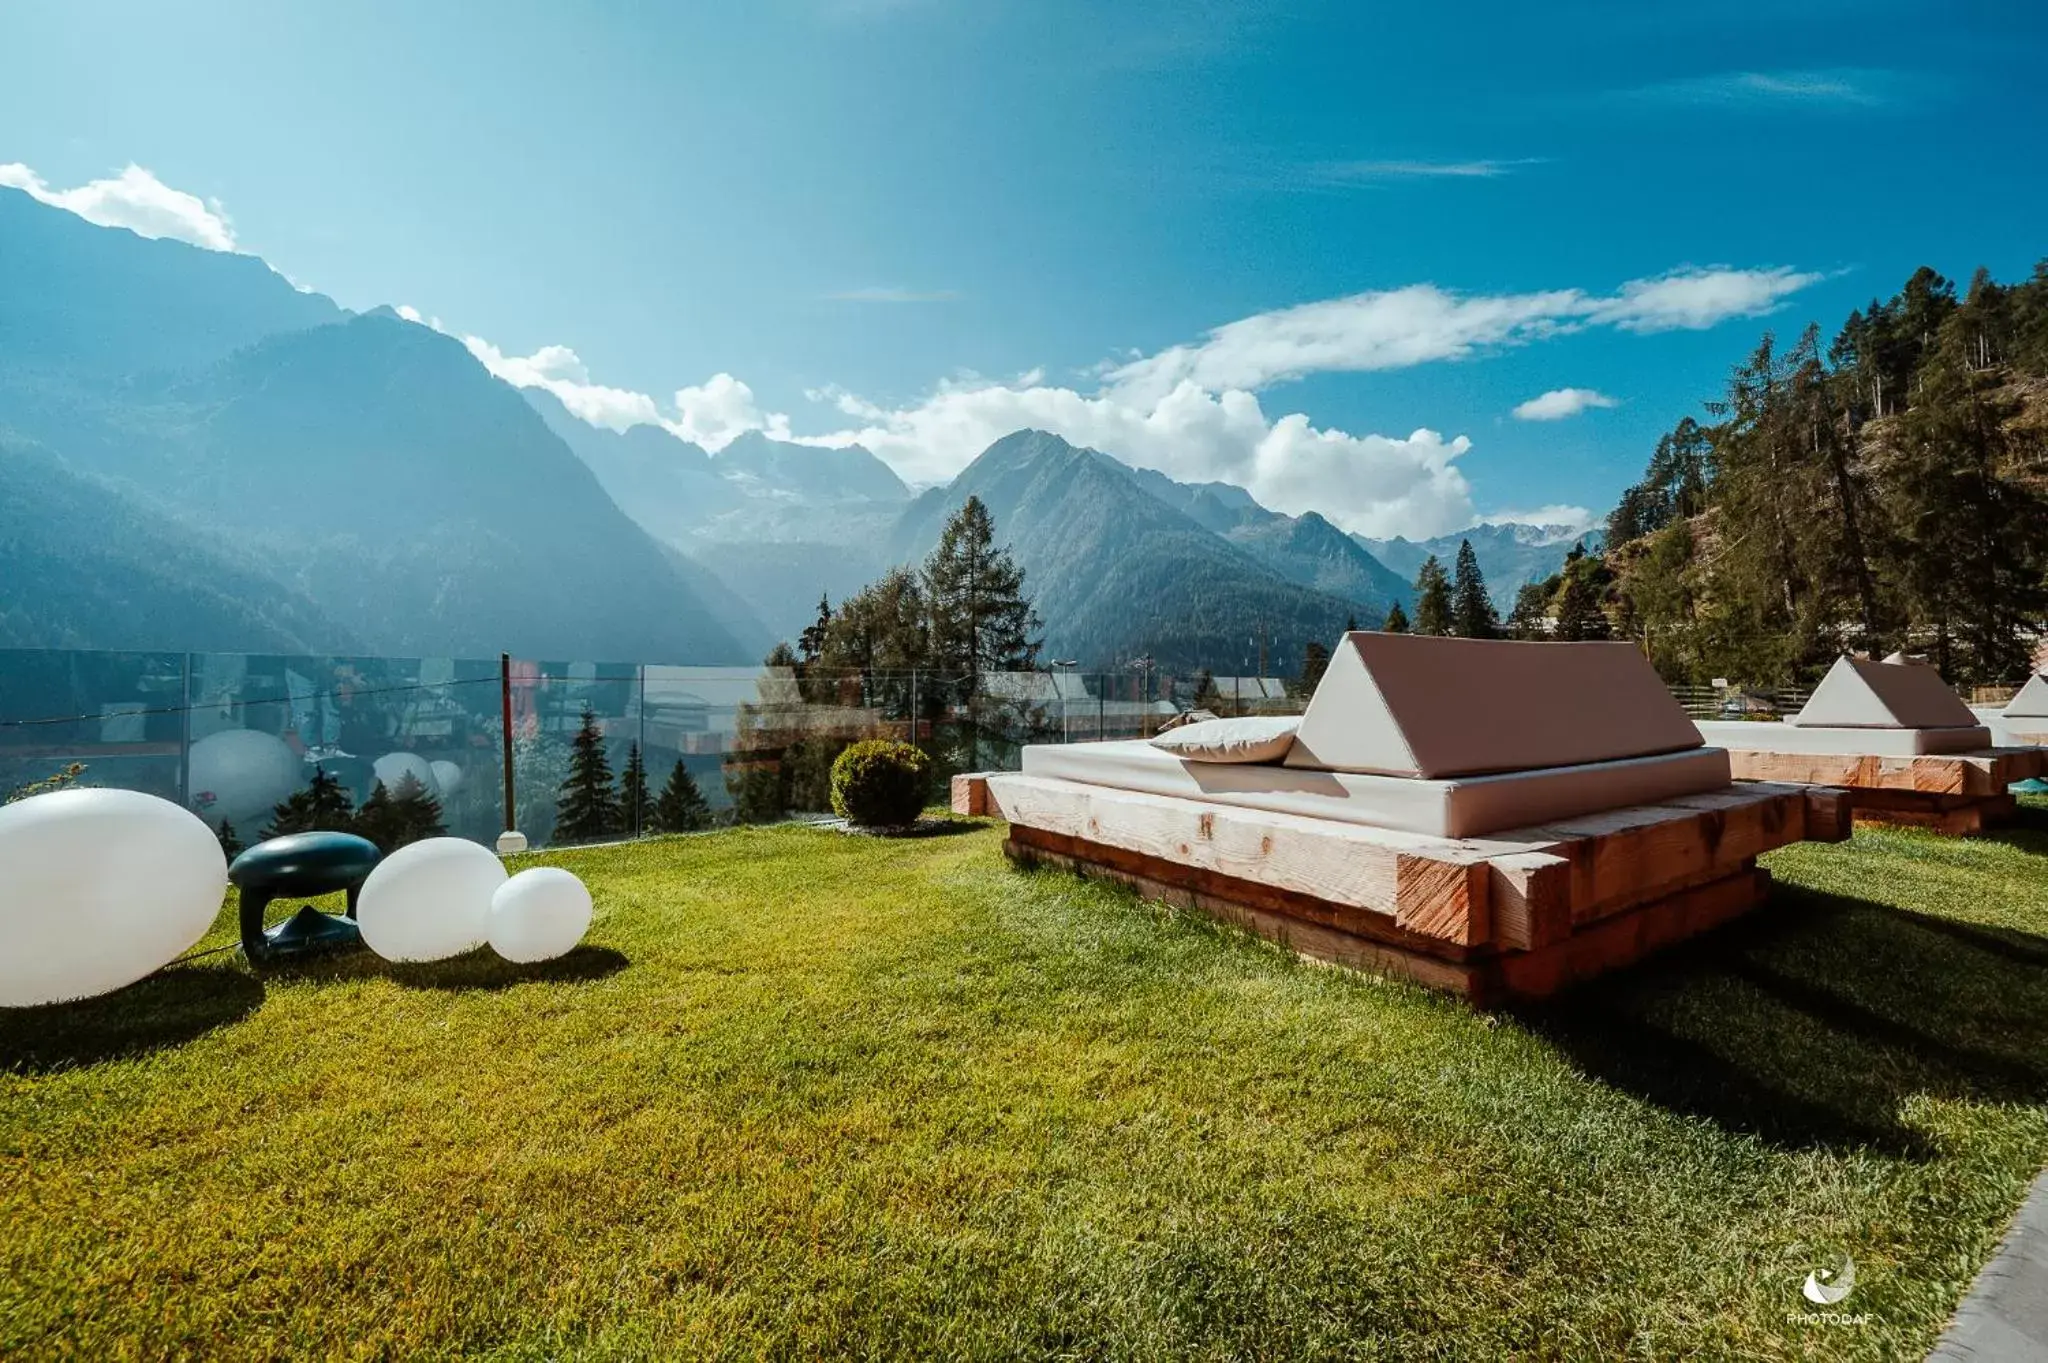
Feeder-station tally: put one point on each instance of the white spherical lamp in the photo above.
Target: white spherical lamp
(447, 776)
(240, 775)
(429, 900)
(99, 888)
(539, 914)
(394, 767)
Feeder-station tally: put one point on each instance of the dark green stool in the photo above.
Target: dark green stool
(301, 864)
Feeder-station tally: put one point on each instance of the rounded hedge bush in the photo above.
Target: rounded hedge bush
(879, 783)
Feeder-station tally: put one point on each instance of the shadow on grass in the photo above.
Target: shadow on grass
(482, 969)
(1812, 1023)
(168, 1009)
(2026, 830)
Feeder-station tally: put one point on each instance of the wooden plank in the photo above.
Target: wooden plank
(1531, 895)
(970, 794)
(1486, 978)
(1830, 814)
(1625, 856)
(1197, 886)
(1987, 772)
(1625, 938)
(1952, 816)
(1432, 886)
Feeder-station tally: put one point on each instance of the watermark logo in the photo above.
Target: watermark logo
(1827, 1287)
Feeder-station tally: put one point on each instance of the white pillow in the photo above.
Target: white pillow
(1255, 738)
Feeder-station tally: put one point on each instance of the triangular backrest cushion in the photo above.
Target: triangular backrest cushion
(2031, 702)
(1418, 705)
(1864, 695)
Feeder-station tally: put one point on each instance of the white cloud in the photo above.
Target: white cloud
(1853, 88)
(1343, 171)
(1419, 324)
(1694, 299)
(134, 199)
(1559, 403)
(720, 410)
(558, 369)
(1371, 483)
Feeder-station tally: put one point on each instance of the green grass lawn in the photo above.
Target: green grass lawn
(803, 1093)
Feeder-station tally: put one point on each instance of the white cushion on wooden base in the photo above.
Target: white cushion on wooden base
(1456, 807)
(1749, 736)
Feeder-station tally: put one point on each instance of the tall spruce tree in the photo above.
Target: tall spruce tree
(636, 803)
(682, 807)
(1472, 612)
(587, 807)
(1315, 660)
(980, 620)
(1396, 621)
(810, 645)
(323, 806)
(1432, 599)
(395, 816)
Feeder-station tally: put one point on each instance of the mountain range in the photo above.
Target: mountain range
(194, 453)
(362, 464)
(1509, 553)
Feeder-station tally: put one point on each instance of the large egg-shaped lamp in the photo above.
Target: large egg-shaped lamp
(99, 888)
(429, 900)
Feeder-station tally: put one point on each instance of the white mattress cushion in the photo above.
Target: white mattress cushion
(1457, 807)
(1252, 738)
(1757, 736)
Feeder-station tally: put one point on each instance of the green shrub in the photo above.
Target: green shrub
(878, 783)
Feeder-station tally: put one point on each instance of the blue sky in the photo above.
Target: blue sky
(1281, 244)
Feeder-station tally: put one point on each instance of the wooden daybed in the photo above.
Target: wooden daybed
(1645, 843)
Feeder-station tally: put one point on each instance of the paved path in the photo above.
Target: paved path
(2005, 1317)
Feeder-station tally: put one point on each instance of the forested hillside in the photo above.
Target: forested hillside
(1886, 488)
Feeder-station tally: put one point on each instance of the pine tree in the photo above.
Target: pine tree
(810, 645)
(323, 806)
(1530, 618)
(391, 818)
(1315, 660)
(1396, 621)
(974, 595)
(636, 805)
(1472, 612)
(1432, 599)
(1578, 598)
(682, 807)
(587, 808)
(230, 841)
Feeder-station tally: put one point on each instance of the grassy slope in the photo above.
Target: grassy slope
(808, 1093)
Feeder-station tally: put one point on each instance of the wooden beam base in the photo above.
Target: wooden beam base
(1978, 775)
(1954, 815)
(1514, 915)
(1488, 977)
